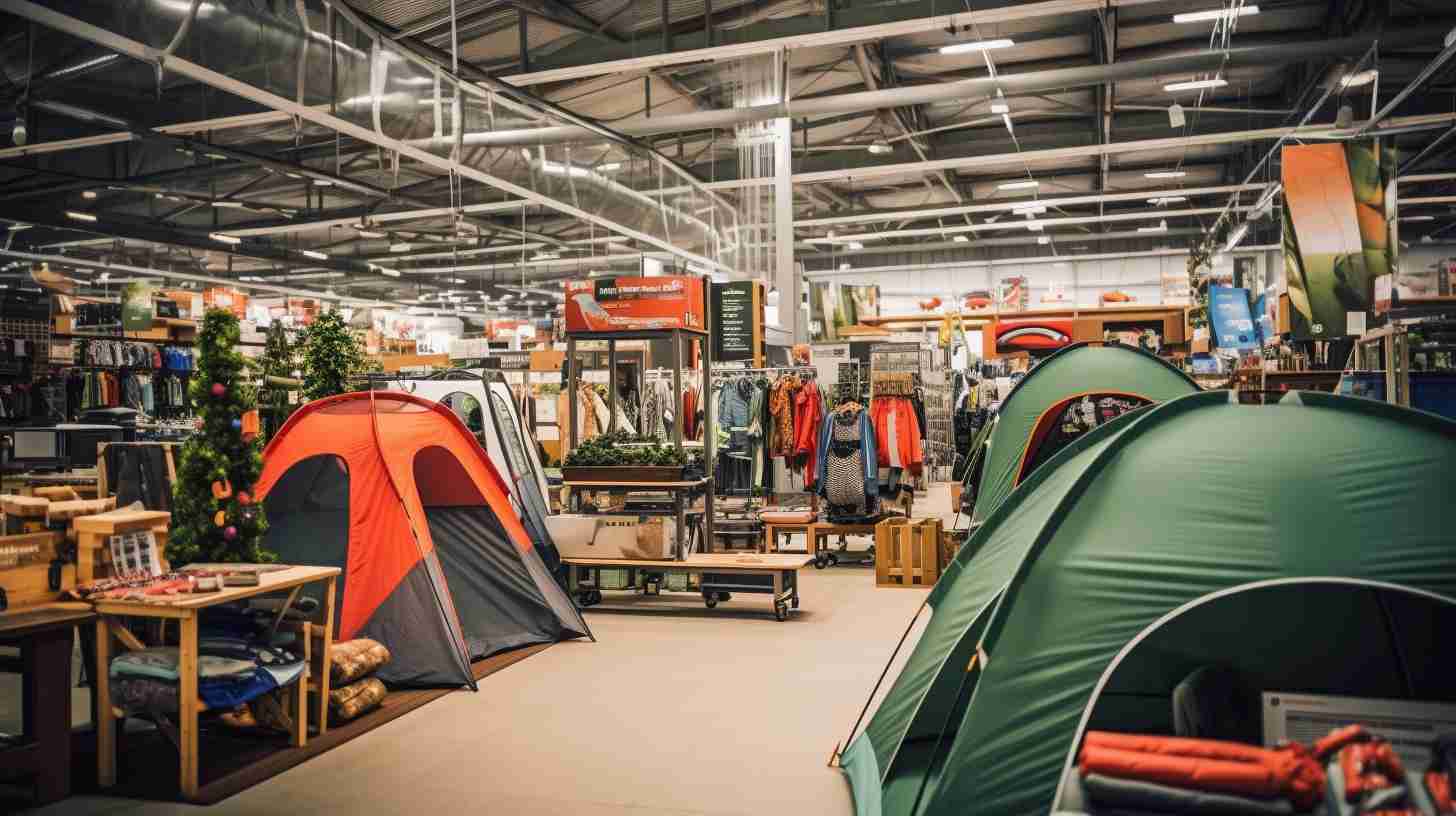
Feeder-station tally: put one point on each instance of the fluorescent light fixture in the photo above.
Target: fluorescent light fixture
(322, 183)
(1195, 85)
(1236, 237)
(317, 256)
(1029, 210)
(609, 167)
(855, 245)
(230, 240)
(1029, 184)
(457, 280)
(976, 45)
(1034, 227)
(1357, 79)
(292, 175)
(19, 227)
(80, 216)
(1162, 200)
(1215, 14)
(89, 194)
(400, 247)
(1165, 174)
(961, 239)
(1000, 106)
(387, 272)
(229, 205)
(1161, 227)
(879, 147)
(1415, 218)
(545, 256)
(1043, 239)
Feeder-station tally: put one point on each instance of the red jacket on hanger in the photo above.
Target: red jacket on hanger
(808, 417)
(897, 433)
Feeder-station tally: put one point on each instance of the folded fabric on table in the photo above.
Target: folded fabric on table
(160, 663)
(230, 672)
(1152, 797)
(353, 659)
(1207, 765)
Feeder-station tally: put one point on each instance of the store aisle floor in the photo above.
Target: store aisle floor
(694, 711)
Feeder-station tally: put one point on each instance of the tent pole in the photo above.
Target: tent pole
(884, 671)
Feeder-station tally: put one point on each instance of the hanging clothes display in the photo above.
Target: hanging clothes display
(897, 433)
(586, 416)
(690, 413)
(846, 475)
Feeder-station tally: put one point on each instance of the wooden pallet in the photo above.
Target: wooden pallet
(907, 553)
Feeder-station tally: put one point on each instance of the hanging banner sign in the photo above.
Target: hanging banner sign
(635, 304)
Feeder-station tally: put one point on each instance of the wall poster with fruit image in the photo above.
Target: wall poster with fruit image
(1339, 214)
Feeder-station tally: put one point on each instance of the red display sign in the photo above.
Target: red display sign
(635, 304)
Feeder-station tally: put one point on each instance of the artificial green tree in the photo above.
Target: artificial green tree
(214, 516)
(331, 355)
(280, 372)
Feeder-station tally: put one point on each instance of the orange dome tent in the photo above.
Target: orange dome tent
(436, 564)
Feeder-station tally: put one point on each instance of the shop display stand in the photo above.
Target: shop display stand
(682, 491)
(719, 574)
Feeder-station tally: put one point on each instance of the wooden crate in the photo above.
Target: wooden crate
(907, 553)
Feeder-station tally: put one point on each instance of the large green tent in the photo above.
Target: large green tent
(1126, 537)
(1024, 432)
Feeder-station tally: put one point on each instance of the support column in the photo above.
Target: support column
(785, 275)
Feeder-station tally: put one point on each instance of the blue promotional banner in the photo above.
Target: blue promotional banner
(1233, 325)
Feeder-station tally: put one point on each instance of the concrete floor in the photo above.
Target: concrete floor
(681, 711)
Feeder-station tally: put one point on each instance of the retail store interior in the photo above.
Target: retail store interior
(727, 407)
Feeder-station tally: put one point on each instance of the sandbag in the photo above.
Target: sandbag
(350, 701)
(353, 659)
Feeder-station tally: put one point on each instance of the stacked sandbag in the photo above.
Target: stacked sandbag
(354, 688)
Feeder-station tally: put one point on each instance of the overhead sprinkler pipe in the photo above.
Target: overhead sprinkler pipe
(1030, 82)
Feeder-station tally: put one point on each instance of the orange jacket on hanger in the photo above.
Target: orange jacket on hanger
(897, 433)
(808, 415)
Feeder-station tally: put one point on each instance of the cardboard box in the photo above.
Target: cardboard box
(635, 304)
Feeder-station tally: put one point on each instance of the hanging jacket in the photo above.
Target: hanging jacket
(867, 444)
(808, 416)
(690, 414)
(897, 434)
(733, 402)
(781, 407)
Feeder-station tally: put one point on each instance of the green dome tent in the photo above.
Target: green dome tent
(1027, 428)
(1127, 537)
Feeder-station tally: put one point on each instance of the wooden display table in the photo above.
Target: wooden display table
(773, 529)
(44, 635)
(720, 575)
(185, 610)
(822, 530)
(681, 495)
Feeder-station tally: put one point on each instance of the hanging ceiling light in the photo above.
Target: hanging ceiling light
(960, 239)
(1162, 201)
(317, 256)
(1355, 80)
(1215, 14)
(400, 247)
(854, 245)
(80, 216)
(230, 240)
(1195, 85)
(976, 45)
(1236, 237)
(1028, 184)
(879, 147)
(1165, 174)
